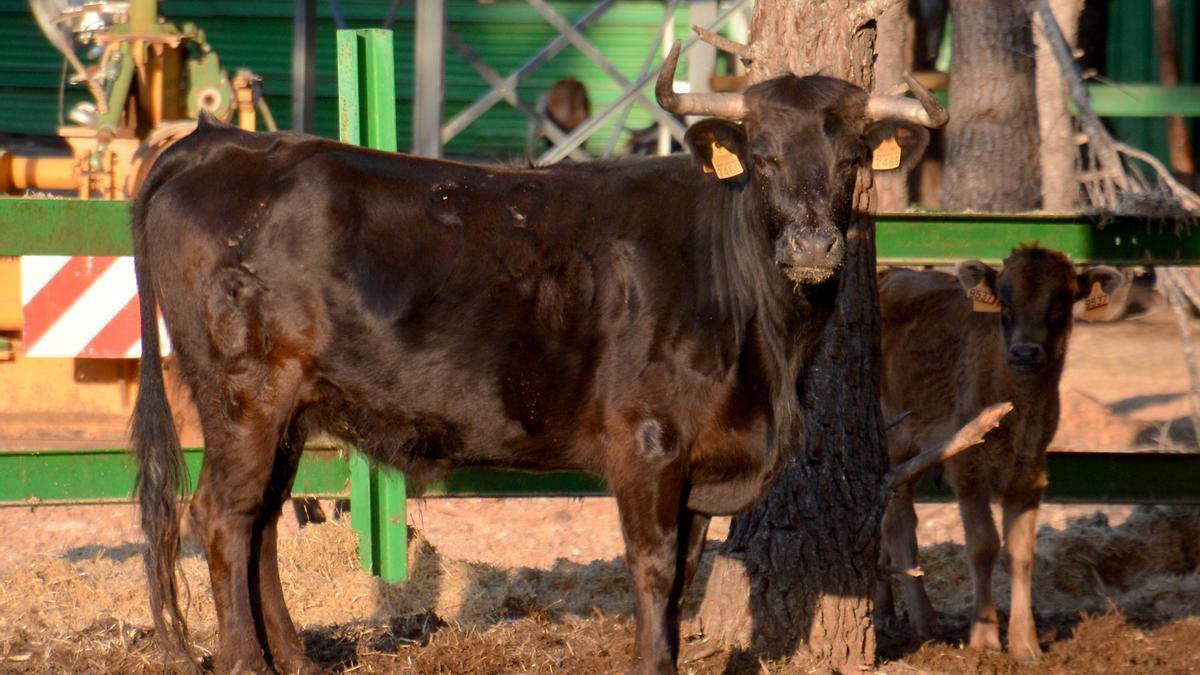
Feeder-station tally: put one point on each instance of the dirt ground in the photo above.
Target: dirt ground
(538, 585)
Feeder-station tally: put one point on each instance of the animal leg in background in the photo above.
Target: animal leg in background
(900, 553)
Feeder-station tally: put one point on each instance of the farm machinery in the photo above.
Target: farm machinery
(148, 81)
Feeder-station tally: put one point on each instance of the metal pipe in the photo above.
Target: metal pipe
(429, 61)
(143, 16)
(19, 173)
(304, 39)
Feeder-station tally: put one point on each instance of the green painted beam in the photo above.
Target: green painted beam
(1108, 477)
(499, 483)
(107, 475)
(946, 238)
(1144, 100)
(77, 227)
(64, 227)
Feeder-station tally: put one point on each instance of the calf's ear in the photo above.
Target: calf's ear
(971, 272)
(1109, 278)
(892, 135)
(706, 136)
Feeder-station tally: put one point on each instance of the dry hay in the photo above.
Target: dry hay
(1148, 566)
(88, 613)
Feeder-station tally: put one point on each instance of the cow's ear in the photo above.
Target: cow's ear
(887, 137)
(971, 273)
(706, 137)
(1109, 278)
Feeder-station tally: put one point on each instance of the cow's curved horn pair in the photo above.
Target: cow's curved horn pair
(729, 106)
(925, 110)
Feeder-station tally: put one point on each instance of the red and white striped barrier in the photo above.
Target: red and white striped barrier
(82, 307)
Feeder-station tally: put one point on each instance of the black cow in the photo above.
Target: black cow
(641, 319)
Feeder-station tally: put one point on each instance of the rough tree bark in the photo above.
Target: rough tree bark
(891, 45)
(795, 576)
(1059, 184)
(992, 137)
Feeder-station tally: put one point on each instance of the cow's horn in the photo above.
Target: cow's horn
(925, 110)
(729, 106)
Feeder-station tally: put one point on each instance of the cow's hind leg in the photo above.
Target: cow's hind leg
(1020, 538)
(983, 547)
(244, 420)
(274, 624)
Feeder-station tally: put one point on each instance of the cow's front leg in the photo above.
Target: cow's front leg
(649, 492)
(1020, 538)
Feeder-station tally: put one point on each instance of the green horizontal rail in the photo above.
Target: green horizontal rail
(64, 227)
(1144, 100)
(106, 476)
(81, 227)
(1108, 477)
(946, 238)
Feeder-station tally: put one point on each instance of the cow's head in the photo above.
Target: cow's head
(1036, 289)
(801, 142)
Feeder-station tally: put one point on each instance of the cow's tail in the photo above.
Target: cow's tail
(162, 473)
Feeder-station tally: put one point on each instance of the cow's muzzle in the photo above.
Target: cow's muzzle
(811, 257)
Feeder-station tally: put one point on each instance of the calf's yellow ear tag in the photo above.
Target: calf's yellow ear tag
(886, 155)
(725, 163)
(1095, 305)
(982, 299)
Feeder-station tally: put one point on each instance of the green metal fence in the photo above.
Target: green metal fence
(366, 117)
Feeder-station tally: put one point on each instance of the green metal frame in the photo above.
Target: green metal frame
(367, 117)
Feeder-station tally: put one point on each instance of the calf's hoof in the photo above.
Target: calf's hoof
(985, 637)
(1024, 649)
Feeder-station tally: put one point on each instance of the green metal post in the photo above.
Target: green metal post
(367, 116)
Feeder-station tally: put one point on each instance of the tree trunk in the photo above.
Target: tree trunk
(992, 137)
(795, 577)
(1168, 73)
(892, 45)
(1059, 184)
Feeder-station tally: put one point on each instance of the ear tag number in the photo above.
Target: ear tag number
(982, 299)
(1095, 305)
(886, 156)
(725, 163)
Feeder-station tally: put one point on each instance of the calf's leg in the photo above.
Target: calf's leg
(1020, 538)
(900, 542)
(983, 547)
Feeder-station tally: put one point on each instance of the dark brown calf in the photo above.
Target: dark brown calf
(944, 362)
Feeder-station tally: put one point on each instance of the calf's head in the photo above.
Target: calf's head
(799, 143)
(1036, 290)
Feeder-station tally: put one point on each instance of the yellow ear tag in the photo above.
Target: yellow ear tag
(982, 299)
(1095, 305)
(725, 163)
(886, 155)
